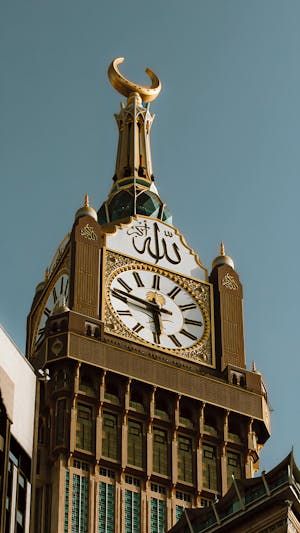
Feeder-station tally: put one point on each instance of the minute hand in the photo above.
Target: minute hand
(148, 304)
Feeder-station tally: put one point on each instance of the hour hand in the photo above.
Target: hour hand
(157, 322)
(124, 296)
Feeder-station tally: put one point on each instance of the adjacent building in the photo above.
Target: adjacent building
(270, 502)
(17, 415)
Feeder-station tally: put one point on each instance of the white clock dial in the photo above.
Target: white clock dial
(156, 309)
(57, 296)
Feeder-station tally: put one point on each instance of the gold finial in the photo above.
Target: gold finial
(86, 200)
(46, 274)
(222, 258)
(127, 87)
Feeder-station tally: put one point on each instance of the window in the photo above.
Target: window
(106, 508)
(86, 385)
(209, 462)
(110, 436)
(111, 394)
(132, 512)
(160, 452)
(61, 425)
(80, 500)
(85, 429)
(158, 515)
(135, 444)
(233, 467)
(185, 459)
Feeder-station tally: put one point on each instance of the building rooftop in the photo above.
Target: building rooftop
(247, 499)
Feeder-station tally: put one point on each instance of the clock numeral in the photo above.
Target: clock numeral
(156, 282)
(175, 340)
(124, 285)
(66, 291)
(156, 337)
(47, 312)
(173, 293)
(64, 286)
(40, 334)
(188, 334)
(193, 322)
(54, 295)
(124, 313)
(138, 280)
(115, 293)
(137, 328)
(187, 307)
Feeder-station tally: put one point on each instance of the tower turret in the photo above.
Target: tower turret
(133, 191)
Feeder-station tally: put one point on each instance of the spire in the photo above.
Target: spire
(133, 191)
(222, 259)
(86, 209)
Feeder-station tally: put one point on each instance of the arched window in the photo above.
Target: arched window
(185, 459)
(209, 465)
(85, 428)
(135, 443)
(234, 467)
(61, 422)
(160, 452)
(110, 436)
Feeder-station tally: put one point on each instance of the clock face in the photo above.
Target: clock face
(58, 295)
(156, 308)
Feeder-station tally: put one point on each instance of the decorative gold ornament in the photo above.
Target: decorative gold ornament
(88, 232)
(229, 282)
(127, 88)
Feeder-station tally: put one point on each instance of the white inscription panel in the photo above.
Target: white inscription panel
(156, 243)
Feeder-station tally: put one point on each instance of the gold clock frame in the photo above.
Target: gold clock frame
(202, 351)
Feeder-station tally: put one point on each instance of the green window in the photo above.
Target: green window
(67, 498)
(85, 428)
(135, 443)
(160, 452)
(179, 511)
(132, 512)
(233, 467)
(80, 502)
(158, 515)
(110, 436)
(185, 459)
(209, 462)
(106, 508)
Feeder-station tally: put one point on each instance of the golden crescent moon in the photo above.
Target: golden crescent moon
(127, 87)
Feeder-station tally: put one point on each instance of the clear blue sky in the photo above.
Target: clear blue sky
(225, 146)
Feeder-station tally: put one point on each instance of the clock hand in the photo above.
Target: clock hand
(150, 305)
(157, 321)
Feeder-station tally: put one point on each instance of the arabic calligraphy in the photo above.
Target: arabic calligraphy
(88, 233)
(229, 282)
(156, 243)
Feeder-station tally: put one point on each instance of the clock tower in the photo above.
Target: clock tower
(150, 407)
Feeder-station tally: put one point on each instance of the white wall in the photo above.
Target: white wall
(22, 375)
